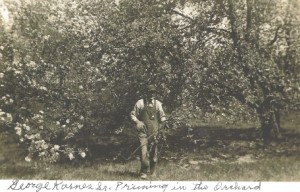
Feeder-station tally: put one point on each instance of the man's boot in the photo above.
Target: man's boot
(143, 176)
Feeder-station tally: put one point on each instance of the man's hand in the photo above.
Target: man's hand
(140, 126)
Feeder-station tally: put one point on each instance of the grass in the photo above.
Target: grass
(269, 169)
(229, 159)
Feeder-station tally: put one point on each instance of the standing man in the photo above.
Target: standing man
(148, 114)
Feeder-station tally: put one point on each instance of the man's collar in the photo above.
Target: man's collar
(150, 100)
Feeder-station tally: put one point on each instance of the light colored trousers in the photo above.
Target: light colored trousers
(148, 154)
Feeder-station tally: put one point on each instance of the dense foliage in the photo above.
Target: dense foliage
(72, 70)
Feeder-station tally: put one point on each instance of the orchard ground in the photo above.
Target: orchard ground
(209, 152)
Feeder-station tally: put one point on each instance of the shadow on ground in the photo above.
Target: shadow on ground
(215, 144)
(123, 174)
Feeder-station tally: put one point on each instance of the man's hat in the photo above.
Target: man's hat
(151, 88)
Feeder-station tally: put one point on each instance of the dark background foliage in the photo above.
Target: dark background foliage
(72, 71)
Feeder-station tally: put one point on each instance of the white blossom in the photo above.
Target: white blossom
(37, 135)
(45, 146)
(18, 130)
(82, 154)
(28, 159)
(32, 64)
(29, 136)
(46, 37)
(18, 72)
(27, 128)
(9, 117)
(56, 147)
(71, 156)
(42, 154)
(43, 88)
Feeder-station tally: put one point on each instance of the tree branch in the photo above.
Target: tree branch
(182, 15)
(232, 21)
(275, 37)
(206, 28)
(236, 94)
(188, 26)
(218, 29)
(248, 20)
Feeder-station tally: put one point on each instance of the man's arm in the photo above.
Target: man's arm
(136, 111)
(162, 115)
(134, 114)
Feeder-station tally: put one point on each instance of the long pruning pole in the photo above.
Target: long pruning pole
(156, 141)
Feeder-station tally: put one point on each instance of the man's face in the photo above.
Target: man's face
(150, 94)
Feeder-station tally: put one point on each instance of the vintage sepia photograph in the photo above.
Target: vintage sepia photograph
(150, 90)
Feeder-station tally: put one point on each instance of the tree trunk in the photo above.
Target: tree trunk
(276, 123)
(270, 126)
(266, 127)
